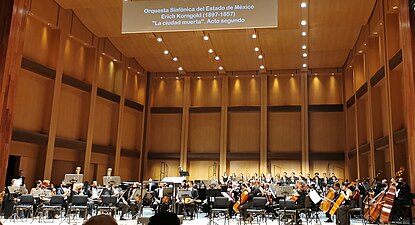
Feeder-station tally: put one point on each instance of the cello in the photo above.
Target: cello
(326, 203)
(389, 199)
(244, 197)
(337, 203)
(376, 208)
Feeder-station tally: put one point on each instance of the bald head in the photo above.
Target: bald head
(101, 220)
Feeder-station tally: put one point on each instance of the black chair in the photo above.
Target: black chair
(220, 205)
(108, 205)
(407, 209)
(358, 209)
(55, 205)
(25, 205)
(258, 208)
(79, 204)
(307, 209)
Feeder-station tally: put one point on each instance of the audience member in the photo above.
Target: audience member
(164, 218)
(101, 220)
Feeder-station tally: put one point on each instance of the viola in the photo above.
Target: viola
(326, 203)
(244, 197)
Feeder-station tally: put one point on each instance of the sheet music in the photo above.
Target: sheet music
(314, 196)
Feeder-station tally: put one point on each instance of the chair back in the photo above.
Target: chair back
(221, 203)
(57, 200)
(106, 199)
(307, 202)
(259, 202)
(80, 200)
(27, 200)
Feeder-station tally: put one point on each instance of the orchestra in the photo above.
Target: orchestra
(328, 195)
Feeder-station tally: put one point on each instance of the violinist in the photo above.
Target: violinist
(342, 217)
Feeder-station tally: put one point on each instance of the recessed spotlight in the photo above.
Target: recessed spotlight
(159, 39)
(220, 68)
(104, 53)
(253, 76)
(180, 68)
(260, 57)
(210, 50)
(217, 58)
(315, 74)
(161, 78)
(177, 78)
(138, 72)
(375, 32)
(350, 66)
(275, 75)
(254, 36)
(198, 77)
(206, 38)
(292, 74)
(236, 76)
(305, 55)
(256, 49)
(332, 74)
(175, 59)
(129, 67)
(303, 5)
(166, 52)
(364, 44)
(304, 65)
(304, 47)
(303, 22)
(303, 33)
(214, 77)
(395, 7)
(114, 60)
(360, 51)
(262, 67)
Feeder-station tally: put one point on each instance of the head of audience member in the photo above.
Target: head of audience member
(101, 220)
(164, 218)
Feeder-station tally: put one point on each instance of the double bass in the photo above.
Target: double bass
(389, 198)
(244, 197)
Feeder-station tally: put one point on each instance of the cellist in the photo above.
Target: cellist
(336, 188)
(342, 216)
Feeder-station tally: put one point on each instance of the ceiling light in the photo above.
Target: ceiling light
(304, 65)
(104, 53)
(304, 47)
(177, 78)
(166, 52)
(256, 49)
(395, 7)
(315, 74)
(305, 55)
(253, 76)
(161, 78)
(220, 68)
(198, 77)
(332, 74)
(206, 38)
(254, 36)
(114, 60)
(262, 67)
(275, 75)
(360, 51)
(303, 22)
(214, 77)
(159, 39)
(303, 5)
(292, 74)
(175, 59)
(138, 72)
(180, 68)
(375, 32)
(217, 58)
(260, 57)
(303, 33)
(210, 50)
(350, 66)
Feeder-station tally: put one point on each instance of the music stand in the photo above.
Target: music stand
(283, 191)
(184, 193)
(73, 178)
(17, 189)
(111, 180)
(184, 173)
(42, 193)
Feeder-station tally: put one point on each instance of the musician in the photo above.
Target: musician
(308, 179)
(402, 198)
(122, 203)
(317, 181)
(133, 199)
(277, 179)
(225, 177)
(342, 216)
(301, 177)
(151, 187)
(95, 192)
(285, 179)
(326, 181)
(337, 189)
(21, 178)
(293, 178)
(269, 179)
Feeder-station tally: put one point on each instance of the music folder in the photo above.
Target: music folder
(111, 180)
(73, 178)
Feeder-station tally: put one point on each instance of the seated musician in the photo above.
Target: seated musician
(342, 216)
(190, 203)
(122, 203)
(402, 198)
(253, 192)
(95, 192)
(134, 199)
(336, 187)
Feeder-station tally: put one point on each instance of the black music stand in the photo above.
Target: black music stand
(184, 173)
(71, 179)
(284, 191)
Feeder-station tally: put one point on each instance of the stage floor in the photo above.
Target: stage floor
(147, 212)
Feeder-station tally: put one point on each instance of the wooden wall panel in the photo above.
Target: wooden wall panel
(383, 162)
(325, 90)
(401, 157)
(40, 44)
(204, 132)
(46, 9)
(359, 71)
(109, 74)
(167, 92)
(29, 161)
(243, 132)
(142, 85)
(281, 166)
(324, 166)
(351, 128)
(202, 170)
(362, 118)
(131, 135)
(78, 60)
(205, 92)
(397, 100)
(244, 91)
(245, 167)
(284, 90)
(131, 92)
(353, 168)
(106, 117)
(392, 34)
(379, 111)
(60, 168)
(348, 83)
(284, 132)
(34, 95)
(101, 162)
(80, 31)
(327, 132)
(129, 169)
(365, 165)
(373, 56)
(153, 169)
(73, 113)
(165, 133)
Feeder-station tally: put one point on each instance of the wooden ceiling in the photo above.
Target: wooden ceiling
(333, 26)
